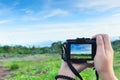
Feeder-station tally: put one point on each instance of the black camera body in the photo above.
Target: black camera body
(79, 50)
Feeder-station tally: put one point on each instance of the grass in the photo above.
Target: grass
(12, 55)
(45, 67)
(117, 65)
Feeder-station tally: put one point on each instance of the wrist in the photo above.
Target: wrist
(65, 70)
(108, 75)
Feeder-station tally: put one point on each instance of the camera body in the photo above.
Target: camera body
(79, 50)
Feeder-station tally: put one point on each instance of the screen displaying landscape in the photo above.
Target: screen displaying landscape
(80, 50)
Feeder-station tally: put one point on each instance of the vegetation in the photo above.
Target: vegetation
(21, 50)
(55, 47)
(45, 67)
(116, 45)
(14, 66)
(35, 63)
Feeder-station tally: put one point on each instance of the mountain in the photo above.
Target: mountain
(48, 43)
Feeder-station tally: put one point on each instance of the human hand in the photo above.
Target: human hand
(103, 60)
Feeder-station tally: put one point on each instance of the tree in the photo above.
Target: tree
(6, 49)
(56, 47)
(45, 50)
(116, 45)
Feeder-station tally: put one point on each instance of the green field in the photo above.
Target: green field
(43, 67)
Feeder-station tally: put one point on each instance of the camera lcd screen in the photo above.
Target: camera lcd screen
(81, 51)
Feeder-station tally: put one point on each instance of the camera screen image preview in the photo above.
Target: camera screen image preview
(81, 51)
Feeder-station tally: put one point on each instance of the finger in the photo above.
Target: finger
(87, 65)
(95, 36)
(82, 67)
(90, 65)
(100, 45)
(107, 43)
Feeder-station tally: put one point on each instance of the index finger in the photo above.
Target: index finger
(107, 43)
(100, 46)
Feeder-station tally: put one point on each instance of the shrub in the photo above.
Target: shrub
(14, 66)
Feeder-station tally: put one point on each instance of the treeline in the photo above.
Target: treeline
(54, 48)
(18, 49)
(116, 45)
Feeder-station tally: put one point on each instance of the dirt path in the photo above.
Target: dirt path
(4, 73)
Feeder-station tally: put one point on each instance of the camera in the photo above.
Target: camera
(79, 50)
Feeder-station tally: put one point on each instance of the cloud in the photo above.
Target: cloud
(29, 19)
(27, 11)
(56, 12)
(15, 3)
(4, 21)
(32, 32)
(5, 11)
(98, 5)
(59, 31)
(116, 15)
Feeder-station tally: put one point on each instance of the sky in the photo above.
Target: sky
(80, 48)
(31, 21)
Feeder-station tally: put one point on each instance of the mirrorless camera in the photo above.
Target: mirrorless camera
(79, 50)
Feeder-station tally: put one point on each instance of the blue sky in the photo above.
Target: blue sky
(80, 49)
(31, 21)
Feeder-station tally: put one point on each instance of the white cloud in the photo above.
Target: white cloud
(116, 15)
(25, 36)
(29, 19)
(4, 21)
(98, 5)
(5, 11)
(56, 12)
(25, 33)
(55, 32)
(15, 3)
(27, 11)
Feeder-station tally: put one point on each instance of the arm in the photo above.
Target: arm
(103, 60)
(64, 70)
